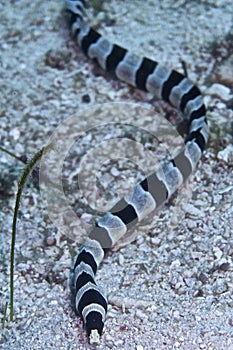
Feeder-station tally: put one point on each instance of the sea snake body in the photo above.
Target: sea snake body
(143, 73)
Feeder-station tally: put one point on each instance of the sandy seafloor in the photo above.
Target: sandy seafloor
(171, 288)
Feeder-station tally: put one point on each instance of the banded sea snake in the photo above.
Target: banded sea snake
(180, 92)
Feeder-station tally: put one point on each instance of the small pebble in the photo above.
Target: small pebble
(121, 259)
(176, 315)
(86, 98)
(226, 154)
(194, 211)
(51, 241)
(221, 91)
(40, 293)
(217, 252)
(140, 314)
(156, 241)
(86, 217)
(139, 347)
(15, 133)
(115, 172)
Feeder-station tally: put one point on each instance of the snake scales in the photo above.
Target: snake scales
(172, 87)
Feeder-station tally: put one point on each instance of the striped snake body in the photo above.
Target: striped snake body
(172, 87)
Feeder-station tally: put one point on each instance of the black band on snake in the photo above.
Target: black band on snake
(149, 194)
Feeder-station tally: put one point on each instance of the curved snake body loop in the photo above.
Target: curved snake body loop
(176, 89)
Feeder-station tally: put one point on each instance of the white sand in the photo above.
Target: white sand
(171, 289)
